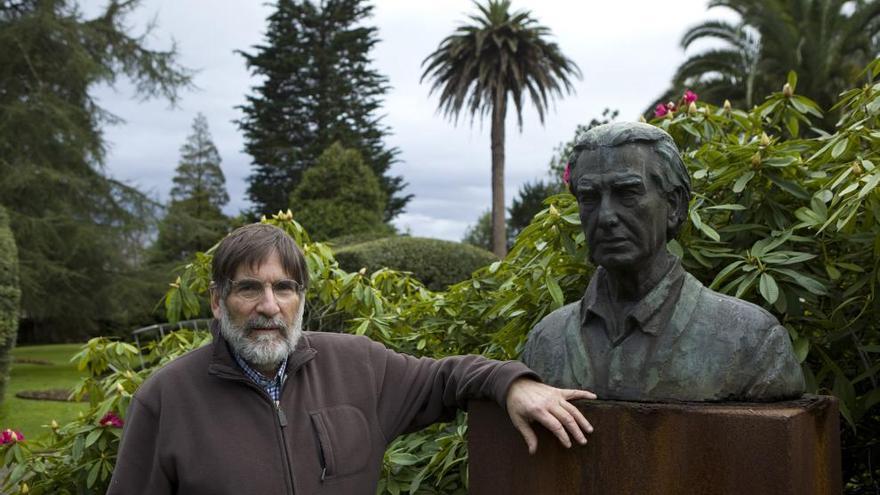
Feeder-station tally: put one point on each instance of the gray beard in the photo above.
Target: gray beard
(263, 349)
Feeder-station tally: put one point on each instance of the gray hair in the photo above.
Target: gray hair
(251, 245)
(670, 173)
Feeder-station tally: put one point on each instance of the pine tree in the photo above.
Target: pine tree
(77, 230)
(318, 89)
(195, 219)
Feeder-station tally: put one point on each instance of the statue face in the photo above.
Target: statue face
(623, 211)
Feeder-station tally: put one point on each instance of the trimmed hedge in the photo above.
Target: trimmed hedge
(436, 263)
(10, 296)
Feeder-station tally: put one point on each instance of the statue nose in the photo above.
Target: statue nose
(607, 215)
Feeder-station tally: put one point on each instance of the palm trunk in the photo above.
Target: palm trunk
(499, 228)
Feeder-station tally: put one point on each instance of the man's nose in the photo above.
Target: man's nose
(268, 304)
(607, 215)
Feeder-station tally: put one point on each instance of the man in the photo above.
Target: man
(646, 329)
(268, 408)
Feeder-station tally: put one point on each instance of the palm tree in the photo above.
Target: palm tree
(499, 56)
(730, 72)
(826, 42)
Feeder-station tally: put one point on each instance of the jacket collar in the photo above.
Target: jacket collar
(223, 363)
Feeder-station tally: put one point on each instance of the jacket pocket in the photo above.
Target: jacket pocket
(343, 438)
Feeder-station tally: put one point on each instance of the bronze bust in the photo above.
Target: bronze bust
(645, 329)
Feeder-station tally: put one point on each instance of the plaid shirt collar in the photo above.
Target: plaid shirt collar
(272, 386)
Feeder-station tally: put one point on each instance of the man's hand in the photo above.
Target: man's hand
(529, 400)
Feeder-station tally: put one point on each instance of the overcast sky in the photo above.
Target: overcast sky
(626, 49)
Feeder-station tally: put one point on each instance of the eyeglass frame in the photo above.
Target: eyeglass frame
(228, 288)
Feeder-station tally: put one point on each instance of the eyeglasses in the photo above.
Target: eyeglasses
(252, 290)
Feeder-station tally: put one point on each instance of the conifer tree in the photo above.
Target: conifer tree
(195, 219)
(319, 88)
(77, 230)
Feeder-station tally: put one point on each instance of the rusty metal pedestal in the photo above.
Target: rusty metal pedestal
(652, 448)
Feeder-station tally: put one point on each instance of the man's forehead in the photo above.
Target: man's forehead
(617, 163)
(252, 267)
(621, 176)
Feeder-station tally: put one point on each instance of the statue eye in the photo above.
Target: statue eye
(588, 197)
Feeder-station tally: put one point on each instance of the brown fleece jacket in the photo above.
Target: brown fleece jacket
(200, 426)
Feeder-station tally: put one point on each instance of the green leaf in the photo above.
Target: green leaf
(807, 216)
(870, 185)
(833, 272)
(768, 288)
(808, 283)
(741, 182)
(78, 447)
(780, 161)
(403, 459)
(555, 291)
(730, 207)
(675, 248)
(724, 273)
(710, 232)
(851, 267)
(92, 436)
(93, 474)
(745, 284)
(839, 148)
(793, 125)
(792, 79)
(790, 187)
(801, 348)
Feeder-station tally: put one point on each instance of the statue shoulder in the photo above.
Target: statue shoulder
(545, 346)
(731, 312)
(558, 321)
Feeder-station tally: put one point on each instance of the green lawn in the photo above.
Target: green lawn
(28, 416)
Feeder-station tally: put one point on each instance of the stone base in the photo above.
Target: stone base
(653, 448)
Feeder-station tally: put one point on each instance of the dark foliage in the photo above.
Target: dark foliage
(80, 234)
(318, 87)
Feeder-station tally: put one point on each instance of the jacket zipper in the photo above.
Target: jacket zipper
(282, 421)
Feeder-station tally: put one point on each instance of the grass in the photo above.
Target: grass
(28, 416)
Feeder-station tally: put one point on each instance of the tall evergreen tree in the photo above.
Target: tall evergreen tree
(77, 230)
(195, 219)
(318, 88)
(500, 56)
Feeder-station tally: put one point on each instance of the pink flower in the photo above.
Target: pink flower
(566, 176)
(660, 110)
(111, 419)
(690, 96)
(8, 436)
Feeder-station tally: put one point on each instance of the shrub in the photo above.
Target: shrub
(437, 264)
(10, 295)
(351, 239)
(339, 195)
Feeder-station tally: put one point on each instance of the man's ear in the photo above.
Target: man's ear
(215, 302)
(677, 212)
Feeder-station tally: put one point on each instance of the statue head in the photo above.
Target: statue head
(632, 190)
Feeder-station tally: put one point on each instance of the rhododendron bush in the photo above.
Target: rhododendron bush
(782, 215)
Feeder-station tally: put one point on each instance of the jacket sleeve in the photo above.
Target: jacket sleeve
(416, 392)
(138, 469)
